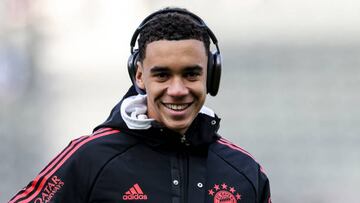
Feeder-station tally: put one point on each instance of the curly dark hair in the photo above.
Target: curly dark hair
(172, 26)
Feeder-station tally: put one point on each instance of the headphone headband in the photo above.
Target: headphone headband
(148, 19)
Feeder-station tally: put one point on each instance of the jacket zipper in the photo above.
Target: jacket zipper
(184, 167)
(184, 176)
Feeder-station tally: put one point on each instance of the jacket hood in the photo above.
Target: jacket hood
(129, 116)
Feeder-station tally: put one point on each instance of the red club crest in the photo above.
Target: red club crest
(223, 193)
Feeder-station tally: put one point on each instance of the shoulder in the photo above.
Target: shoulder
(92, 151)
(89, 154)
(237, 157)
(102, 144)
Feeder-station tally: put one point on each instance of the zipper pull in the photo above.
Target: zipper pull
(183, 140)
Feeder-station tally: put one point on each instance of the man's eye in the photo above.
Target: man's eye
(161, 76)
(192, 75)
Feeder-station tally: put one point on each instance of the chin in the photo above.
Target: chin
(180, 127)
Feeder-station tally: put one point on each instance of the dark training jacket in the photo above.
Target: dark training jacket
(116, 164)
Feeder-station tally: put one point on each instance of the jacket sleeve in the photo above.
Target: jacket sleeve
(64, 179)
(264, 188)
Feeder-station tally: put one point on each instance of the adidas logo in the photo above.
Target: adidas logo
(135, 193)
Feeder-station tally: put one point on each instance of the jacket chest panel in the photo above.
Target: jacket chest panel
(144, 175)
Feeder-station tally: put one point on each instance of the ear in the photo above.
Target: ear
(139, 75)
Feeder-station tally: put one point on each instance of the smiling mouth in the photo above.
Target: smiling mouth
(177, 107)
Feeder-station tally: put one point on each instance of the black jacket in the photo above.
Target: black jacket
(116, 164)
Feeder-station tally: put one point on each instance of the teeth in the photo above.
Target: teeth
(177, 107)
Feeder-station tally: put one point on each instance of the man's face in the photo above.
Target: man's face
(173, 74)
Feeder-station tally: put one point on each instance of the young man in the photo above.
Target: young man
(161, 145)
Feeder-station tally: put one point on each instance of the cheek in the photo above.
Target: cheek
(199, 94)
(200, 88)
(154, 91)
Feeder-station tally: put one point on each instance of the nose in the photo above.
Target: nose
(177, 88)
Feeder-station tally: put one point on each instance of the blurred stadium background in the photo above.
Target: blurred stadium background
(289, 91)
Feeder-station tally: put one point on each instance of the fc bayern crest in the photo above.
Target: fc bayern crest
(223, 193)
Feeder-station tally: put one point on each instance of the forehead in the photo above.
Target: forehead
(175, 53)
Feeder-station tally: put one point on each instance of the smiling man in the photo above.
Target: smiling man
(160, 143)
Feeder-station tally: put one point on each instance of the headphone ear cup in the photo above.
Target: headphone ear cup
(214, 73)
(132, 67)
(209, 72)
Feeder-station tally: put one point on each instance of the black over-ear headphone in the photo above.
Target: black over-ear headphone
(214, 62)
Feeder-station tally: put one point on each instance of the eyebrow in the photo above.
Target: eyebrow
(195, 68)
(159, 69)
(165, 69)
